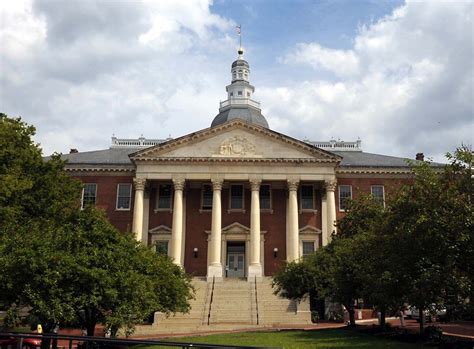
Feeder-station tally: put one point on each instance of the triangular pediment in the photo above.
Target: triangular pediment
(161, 229)
(235, 140)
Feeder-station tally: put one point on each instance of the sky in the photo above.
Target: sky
(397, 75)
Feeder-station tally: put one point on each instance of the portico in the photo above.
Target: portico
(236, 157)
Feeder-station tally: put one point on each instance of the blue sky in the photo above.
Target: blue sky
(398, 75)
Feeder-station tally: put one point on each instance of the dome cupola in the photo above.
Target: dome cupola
(239, 103)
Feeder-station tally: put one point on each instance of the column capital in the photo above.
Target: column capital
(330, 185)
(293, 184)
(217, 183)
(178, 183)
(139, 183)
(255, 183)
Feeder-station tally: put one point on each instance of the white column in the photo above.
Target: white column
(324, 218)
(137, 226)
(293, 228)
(215, 266)
(177, 227)
(255, 267)
(331, 206)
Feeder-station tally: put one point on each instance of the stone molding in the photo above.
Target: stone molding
(293, 184)
(255, 183)
(139, 183)
(178, 183)
(217, 183)
(330, 185)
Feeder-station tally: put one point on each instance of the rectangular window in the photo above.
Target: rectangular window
(161, 247)
(164, 196)
(89, 194)
(307, 197)
(239, 93)
(124, 196)
(378, 194)
(308, 248)
(236, 197)
(206, 197)
(345, 193)
(265, 197)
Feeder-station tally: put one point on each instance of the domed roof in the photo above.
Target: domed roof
(245, 113)
(240, 63)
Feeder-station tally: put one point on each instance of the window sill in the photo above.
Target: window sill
(308, 210)
(122, 209)
(205, 210)
(266, 210)
(236, 210)
(163, 210)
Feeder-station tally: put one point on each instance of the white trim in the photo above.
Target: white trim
(164, 209)
(129, 195)
(301, 209)
(339, 195)
(270, 209)
(242, 209)
(82, 196)
(383, 192)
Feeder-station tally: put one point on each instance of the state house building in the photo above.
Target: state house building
(237, 199)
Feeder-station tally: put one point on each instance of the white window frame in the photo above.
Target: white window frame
(230, 198)
(201, 207)
(270, 209)
(313, 208)
(117, 198)
(339, 195)
(82, 196)
(383, 192)
(157, 208)
(315, 246)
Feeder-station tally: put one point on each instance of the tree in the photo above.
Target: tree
(31, 188)
(65, 263)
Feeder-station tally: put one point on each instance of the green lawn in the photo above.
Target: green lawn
(331, 338)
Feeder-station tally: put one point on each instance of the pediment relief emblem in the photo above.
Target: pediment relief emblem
(238, 146)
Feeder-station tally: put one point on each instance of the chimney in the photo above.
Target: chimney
(74, 151)
(420, 156)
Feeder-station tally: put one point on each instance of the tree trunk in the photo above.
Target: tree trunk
(422, 321)
(382, 317)
(90, 322)
(350, 310)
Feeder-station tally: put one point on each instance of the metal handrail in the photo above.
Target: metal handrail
(210, 302)
(256, 299)
(115, 341)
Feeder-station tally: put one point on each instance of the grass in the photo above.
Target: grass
(331, 338)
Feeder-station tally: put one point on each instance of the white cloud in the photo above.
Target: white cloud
(405, 86)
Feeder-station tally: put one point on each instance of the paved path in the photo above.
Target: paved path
(460, 329)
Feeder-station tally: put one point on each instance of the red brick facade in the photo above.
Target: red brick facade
(198, 221)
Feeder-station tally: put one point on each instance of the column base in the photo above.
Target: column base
(214, 272)
(255, 271)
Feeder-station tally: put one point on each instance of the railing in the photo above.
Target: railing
(210, 302)
(239, 101)
(256, 299)
(337, 145)
(138, 142)
(105, 343)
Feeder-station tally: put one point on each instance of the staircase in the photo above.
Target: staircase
(229, 305)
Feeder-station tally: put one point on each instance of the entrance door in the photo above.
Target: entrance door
(235, 259)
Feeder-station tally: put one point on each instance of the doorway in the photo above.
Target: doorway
(235, 267)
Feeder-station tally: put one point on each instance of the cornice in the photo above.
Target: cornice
(99, 168)
(233, 159)
(374, 170)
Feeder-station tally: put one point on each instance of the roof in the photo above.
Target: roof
(248, 114)
(117, 156)
(240, 63)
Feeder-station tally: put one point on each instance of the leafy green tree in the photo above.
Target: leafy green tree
(65, 263)
(31, 188)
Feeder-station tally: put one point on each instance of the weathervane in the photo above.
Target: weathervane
(238, 28)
